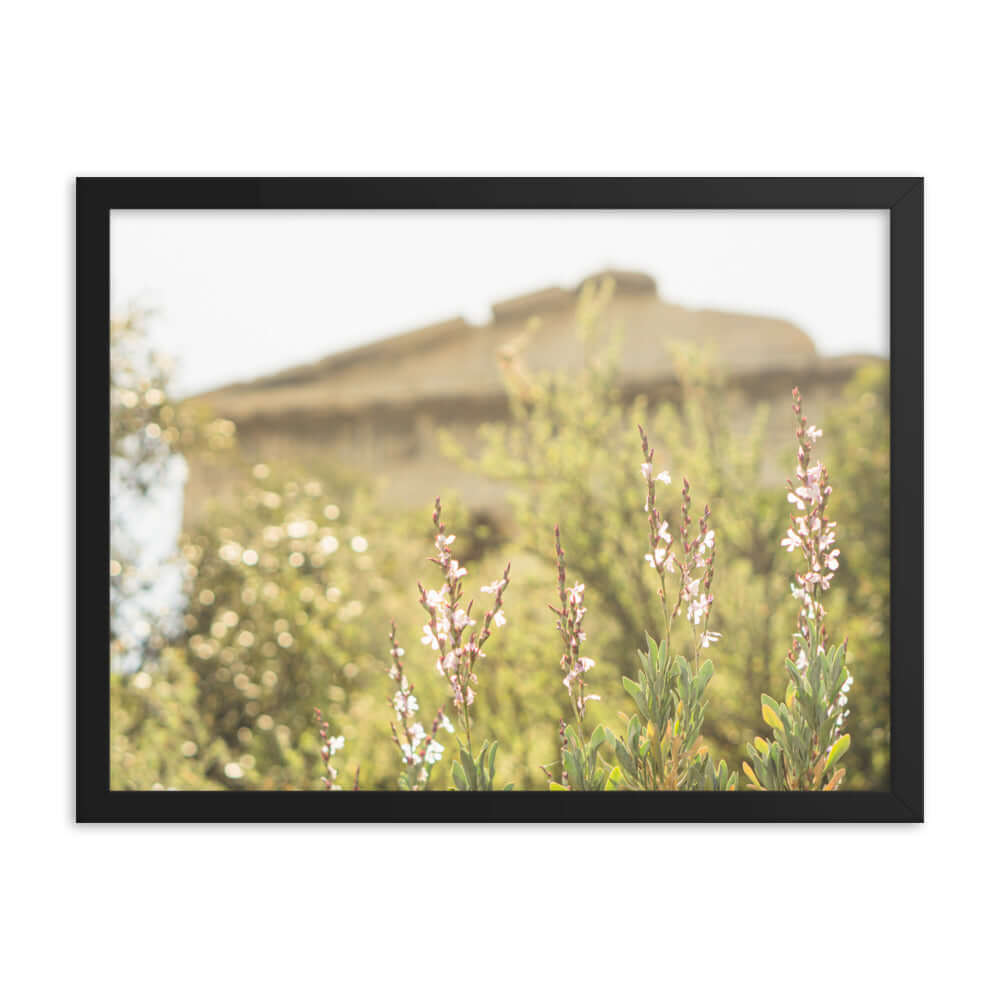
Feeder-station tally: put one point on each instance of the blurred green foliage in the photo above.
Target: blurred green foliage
(292, 586)
(160, 738)
(857, 454)
(290, 600)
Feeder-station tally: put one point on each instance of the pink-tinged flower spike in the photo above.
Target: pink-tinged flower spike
(403, 700)
(419, 750)
(446, 631)
(569, 623)
(815, 706)
(703, 551)
(695, 553)
(495, 617)
(688, 585)
(812, 533)
(329, 745)
(660, 556)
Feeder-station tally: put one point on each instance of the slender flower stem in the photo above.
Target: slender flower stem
(569, 623)
(445, 631)
(695, 552)
(660, 541)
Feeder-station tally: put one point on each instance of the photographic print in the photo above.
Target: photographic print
(519, 494)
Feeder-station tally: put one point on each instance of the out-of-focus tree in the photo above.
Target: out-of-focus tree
(147, 433)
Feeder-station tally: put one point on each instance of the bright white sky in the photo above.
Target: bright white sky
(242, 294)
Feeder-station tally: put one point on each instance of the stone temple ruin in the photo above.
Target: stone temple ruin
(376, 408)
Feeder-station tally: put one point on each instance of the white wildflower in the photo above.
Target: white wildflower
(447, 664)
(657, 559)
(404, 706)
(461, 620)
(437, 598)
(429, 638)
(698, 608)
(791, 541)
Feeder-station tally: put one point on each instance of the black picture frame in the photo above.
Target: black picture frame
(97, 197)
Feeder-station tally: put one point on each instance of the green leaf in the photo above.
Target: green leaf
(458, 777)
(771, 718)
(493, 759)
(838, 750)
(633, 731)
(621, 752)
(553, 787)
(645, 666)
(705, 674)
(573, 770)
(770, 702)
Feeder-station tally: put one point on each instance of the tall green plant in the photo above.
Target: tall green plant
(808, 738)
(662, 749)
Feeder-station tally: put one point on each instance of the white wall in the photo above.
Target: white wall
(289, 89)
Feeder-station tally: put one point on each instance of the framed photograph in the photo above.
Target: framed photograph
(500, 499)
